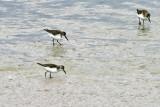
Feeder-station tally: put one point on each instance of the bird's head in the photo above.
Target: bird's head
(148, 16)
(61, 67)
(64, 34)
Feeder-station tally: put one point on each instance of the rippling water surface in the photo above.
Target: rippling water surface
(110, 60)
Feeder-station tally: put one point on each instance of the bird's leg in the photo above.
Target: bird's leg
(143, 28)
(50, 75)
(143, 22)
(58, 42)
(53, 42)
(139, 22)
(45, 74)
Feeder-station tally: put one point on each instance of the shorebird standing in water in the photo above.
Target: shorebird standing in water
(56, 35)
(52, 68)
(143, 15)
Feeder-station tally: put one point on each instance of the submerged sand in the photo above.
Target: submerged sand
(109, 60)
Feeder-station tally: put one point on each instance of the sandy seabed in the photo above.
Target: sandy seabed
(110, 60)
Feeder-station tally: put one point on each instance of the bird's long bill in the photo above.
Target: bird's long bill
(149, 20)
(66, 37)
(64, 71)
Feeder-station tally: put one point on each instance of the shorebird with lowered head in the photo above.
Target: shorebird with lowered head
(56, 35)
(52, 68)
(143, 15)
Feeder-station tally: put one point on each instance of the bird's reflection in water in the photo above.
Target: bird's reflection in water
(143, 31)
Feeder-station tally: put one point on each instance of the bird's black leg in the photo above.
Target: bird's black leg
(53, 42)
(50, 75)
(58, 42)
(45, 74)
(143, 22)
(139, 22)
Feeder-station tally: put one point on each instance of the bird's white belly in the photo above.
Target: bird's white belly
(57, 37)
(53, 70)
(142, 17)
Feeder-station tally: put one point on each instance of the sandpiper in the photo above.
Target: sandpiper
(143, 15)
(52, 68)
(56, 34)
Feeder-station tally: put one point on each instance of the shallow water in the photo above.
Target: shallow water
(109, 59)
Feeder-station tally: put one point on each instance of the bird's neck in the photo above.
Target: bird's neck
(58, 68)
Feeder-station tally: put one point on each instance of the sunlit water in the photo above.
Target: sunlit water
(110, 60)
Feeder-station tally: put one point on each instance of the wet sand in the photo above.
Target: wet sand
(109, 60)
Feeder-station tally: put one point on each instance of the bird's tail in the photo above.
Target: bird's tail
(40, 64)
(46, 29)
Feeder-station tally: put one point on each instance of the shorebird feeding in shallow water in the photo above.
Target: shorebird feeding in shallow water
(52, 68)
(143, 15)
(56, 35)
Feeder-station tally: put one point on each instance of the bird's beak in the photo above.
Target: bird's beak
(66, 37)
(149, 19)
(64, 71)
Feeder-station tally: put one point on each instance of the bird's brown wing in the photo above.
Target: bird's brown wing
(54, 32)
(50, 65)
(145, 13)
